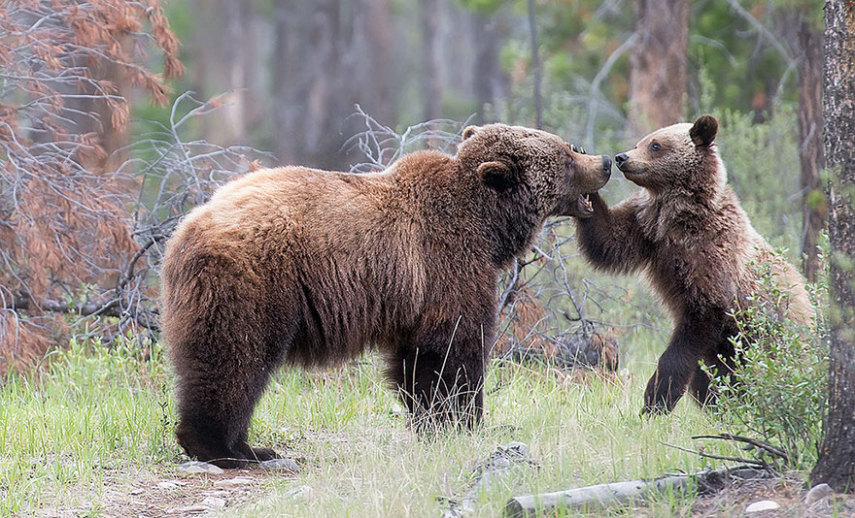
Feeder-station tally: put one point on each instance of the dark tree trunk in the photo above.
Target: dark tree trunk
(307, 71)
(285, 68)
(814, 201)
(431, 81)
(308, 76)
(535, 64)
(485, 33)
(321, 123)
(371, 45)
(836, 464)
(328, 56)
(657, 77)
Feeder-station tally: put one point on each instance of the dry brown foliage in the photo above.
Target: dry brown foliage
(67, 67)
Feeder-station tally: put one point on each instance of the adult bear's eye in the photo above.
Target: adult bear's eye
(654, 146)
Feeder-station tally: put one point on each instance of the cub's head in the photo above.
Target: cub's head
(551, 175)
(682, 156)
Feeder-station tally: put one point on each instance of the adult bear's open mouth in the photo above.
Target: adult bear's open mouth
(584, 204)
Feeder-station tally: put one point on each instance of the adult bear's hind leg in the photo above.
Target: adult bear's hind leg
(216, 401)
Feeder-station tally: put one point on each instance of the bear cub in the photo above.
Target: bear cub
(686, 231)
(304, 267)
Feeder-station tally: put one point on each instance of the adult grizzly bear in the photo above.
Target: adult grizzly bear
(687, 232)
(306, 267)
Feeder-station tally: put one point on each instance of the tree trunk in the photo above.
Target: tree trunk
(485, 34)
(814, 201)
(285, 68)
(371, 46)
(223, 66)
(836, 464)
(535, 64)
(657, 84)
(431, 80)
(94, 114)
(322, 120)
(329, 55)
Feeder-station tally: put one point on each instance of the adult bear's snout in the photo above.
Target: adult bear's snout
(620, 158)
(607, 165)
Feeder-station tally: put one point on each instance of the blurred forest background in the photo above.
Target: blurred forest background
(117, 117)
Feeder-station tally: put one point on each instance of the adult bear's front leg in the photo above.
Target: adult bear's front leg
(440, 377)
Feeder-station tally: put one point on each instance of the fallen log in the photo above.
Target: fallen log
(621, 494)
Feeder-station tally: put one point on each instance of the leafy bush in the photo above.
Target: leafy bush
(777, 391)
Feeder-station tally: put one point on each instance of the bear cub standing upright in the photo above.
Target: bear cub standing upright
(687, 232)
(305, 267)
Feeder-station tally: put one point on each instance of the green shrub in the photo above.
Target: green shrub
(777, 393)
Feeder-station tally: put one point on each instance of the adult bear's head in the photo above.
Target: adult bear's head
(550, 174)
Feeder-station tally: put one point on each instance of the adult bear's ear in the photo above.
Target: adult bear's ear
(704, 130)
(497, 175)
(468, 131)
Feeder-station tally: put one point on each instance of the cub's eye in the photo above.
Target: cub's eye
(654, 146)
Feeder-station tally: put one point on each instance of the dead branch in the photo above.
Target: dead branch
(758, 463)
(768, 448)
(146, 317)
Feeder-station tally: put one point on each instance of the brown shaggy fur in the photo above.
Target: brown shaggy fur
(687, 232)
(309, 268)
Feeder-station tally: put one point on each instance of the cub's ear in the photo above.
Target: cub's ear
(497, 175)
(468, 131)
(704, 130)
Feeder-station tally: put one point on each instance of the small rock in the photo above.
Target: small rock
(817, 493)
(218, 494)
(213, 502)
(195, 466)
(171, 484)
(190, 509)
(280, 465)
(232, 482)
(137, 491)
(299, 491)
(762, 505)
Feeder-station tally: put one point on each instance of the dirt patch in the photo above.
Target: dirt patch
(788, 492)
(151, 495)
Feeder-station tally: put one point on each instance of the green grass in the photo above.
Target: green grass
(369, 464)
(92, 412)
(96, 417)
